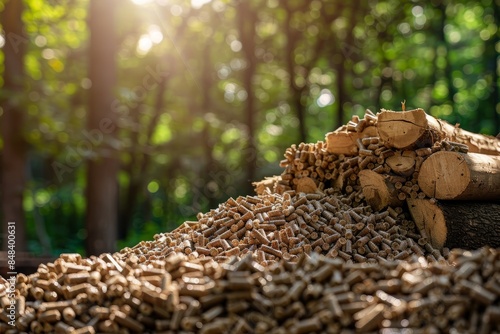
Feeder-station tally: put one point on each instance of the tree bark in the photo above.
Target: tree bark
(102, 187)
(415, 129)
(14, 146)
(458, 176)
(468, 225)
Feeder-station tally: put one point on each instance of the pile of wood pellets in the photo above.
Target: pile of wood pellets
(282, 261)
(273, 227)
(315, 294)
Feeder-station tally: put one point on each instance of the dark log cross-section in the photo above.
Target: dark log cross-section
(454, 224)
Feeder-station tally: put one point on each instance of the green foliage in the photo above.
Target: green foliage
(180, 95)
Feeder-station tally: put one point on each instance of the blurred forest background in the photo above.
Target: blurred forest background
(125, 118)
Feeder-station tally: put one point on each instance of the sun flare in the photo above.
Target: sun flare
(142, 2)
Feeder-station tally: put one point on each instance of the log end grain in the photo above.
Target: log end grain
(401, 129)
(444, 175)
(457, 176)
(402, 165)
(261, 187)
(429, 220)
(344, 142)
(378, 192)
(306, 185)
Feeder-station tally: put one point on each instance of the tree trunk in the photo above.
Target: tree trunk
(341, 95)
(139, 163)
(102, 187)
(494, 70)
(130, 194)
(468, 225)
(207, 142)
(246, 17)
(448, 68)
(457, 176)
(295, 101)
(14, 146)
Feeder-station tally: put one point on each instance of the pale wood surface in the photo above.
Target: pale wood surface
(400, 164)
(415, 129)
(342, 141)
(306, 185)
(452, 175)
(267, 184)
(378, 191)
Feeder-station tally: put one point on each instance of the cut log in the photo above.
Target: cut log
(378, 191)
(342, 141)
(402, 164)
(266, 185)
(455, 225)
(414, 129)
(306, 185)
(459, 176)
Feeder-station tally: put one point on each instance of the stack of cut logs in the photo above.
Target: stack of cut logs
(398, 158)
(349, 237)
